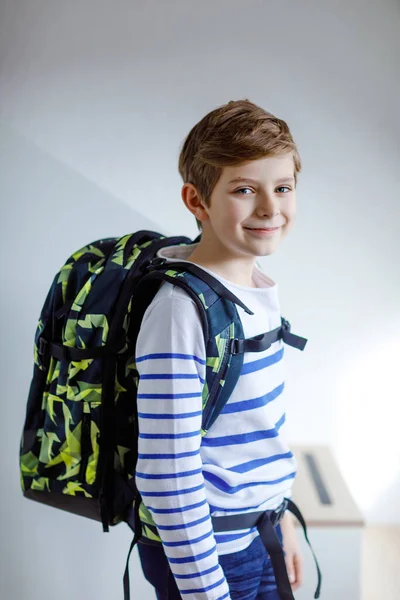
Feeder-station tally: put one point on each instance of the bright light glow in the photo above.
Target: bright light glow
(368, 441)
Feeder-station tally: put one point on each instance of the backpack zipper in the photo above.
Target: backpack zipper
(86, 445)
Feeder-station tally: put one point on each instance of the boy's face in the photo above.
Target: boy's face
(263, 197)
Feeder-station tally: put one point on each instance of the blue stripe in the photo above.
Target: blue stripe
(230, 537)
(224, 596)
(170, 355)
(233, 510)
(172, 376)
(258, 462)
(187, 559)
(244, 438)
(168, 475)
(169, 396)
(168, 456)
(170, 415)
(166, 511)
(220, 484)
(197, 574)
(168, 436)
(204, 589)
(253, 403)
(169, 376)
(184, 525)
(190, 541)
(261, 363)
(174, 492)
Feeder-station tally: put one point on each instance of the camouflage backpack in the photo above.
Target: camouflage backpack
(78, 449)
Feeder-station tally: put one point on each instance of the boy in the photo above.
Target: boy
(239, 166)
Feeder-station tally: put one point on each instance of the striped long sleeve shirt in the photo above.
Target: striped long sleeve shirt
(242, 464)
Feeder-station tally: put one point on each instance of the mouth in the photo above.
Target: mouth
(262, 229)
(263, 233)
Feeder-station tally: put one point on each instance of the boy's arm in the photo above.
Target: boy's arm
(293, 554)
(170, 356)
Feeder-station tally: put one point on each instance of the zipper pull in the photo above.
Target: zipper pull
(86, 446)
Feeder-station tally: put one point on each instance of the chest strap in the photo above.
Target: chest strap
(262, 342)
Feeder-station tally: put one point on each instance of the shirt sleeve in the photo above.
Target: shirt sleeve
(170, 359)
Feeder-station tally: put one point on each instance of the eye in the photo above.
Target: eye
(241, 190)
(283, 187)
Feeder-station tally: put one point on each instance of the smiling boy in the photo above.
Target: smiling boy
(253, 208)
(239, 166)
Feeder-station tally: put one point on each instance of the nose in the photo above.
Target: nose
(268, 205)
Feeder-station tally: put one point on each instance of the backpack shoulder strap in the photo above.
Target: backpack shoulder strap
(221, 324)
(223, 331)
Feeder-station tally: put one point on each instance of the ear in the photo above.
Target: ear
(193, 202)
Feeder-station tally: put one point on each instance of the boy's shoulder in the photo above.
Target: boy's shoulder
(172, 320)
(168, 293)
(172, 302)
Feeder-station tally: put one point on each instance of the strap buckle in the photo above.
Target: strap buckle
(277, 514)
(234, 346)
(155, 262)
(42, 348)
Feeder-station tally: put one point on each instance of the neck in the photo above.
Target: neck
(237, 269)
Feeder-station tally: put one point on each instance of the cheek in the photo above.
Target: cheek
(230, 214)
(236, 214)
(289, 209)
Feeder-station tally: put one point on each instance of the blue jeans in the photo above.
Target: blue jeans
(248, 572)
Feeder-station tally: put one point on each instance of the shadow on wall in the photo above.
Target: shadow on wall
(47, 212)
(52, 208)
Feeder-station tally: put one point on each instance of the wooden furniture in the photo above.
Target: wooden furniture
(335, 526)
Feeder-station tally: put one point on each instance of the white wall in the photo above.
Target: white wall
(96, 99)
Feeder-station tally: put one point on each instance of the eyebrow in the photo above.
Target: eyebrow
(243, 179)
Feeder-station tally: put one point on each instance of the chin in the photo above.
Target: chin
(270, 248)
(268, 251)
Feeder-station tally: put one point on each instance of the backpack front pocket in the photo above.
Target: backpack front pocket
(69, 448)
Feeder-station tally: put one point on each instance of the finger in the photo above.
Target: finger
(299, 570)
(290, 567)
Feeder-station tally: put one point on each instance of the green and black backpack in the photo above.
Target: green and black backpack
(78, 449)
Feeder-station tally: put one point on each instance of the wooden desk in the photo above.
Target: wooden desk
(335, 526)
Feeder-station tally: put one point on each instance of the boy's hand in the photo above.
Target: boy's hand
(293, 557)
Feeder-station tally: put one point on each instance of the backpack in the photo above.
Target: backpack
(78, 448)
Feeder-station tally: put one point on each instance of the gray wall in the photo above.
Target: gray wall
(96, 98)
